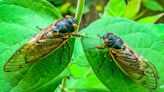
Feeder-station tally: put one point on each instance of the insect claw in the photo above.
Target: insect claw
(111, 60)
(105, 55)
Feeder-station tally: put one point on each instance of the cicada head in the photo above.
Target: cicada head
(66, 25)
(113, 41)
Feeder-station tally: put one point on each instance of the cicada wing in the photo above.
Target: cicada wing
(137, 68)
(150, 77)
(30, 53)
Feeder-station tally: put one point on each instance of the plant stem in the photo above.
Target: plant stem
(79, 11)
(63, 84)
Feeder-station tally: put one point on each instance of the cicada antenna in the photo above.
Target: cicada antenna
(39, 28)
(99, 36)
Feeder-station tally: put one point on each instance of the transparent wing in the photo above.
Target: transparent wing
(33, 51)
(136, 67)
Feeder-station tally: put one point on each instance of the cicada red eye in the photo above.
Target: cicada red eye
(105, 41)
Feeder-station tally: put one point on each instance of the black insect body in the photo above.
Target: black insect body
(113, 41)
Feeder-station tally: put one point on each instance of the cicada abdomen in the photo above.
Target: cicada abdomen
(45, 42)
(131, 63)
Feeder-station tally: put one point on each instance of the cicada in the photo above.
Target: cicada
(48, 40)
(130, 62)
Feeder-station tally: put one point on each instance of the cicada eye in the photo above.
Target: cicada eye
(106, 41)
(111, 33)
(71, 20)
(66, 25)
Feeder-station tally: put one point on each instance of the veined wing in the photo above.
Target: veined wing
(36, 49)
(136, 67)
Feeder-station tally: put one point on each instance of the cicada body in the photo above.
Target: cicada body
(130, 62)
(44, 43)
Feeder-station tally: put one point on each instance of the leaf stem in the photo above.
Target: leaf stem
(63, 84)
(79, 11)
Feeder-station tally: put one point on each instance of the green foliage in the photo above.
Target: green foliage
(81, 80)
(157, 30)
(151, 19)
(152, 5)
(78, 56)
(137, 36)
(115, 8)
(56, 2)
(132, 10)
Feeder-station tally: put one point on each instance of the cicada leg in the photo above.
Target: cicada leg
(105, 55)
(69, 49)
(102, 62)
(63, 49)
(104, 59)
(77, 35)
(39, 28)
(98, 47)
(100, 36)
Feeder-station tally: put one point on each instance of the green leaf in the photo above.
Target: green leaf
(137, 36)
(160, 31)
(90, 83)
(132, 9)
(115, 8)
(18, 21)
(151, 19)
(81, 70)
(82, 74)
(53, 84)
(63, 8)
(56, 2)
(152, 5)
(78, 56)
(156, 29)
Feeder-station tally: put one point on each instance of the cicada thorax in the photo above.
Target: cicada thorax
(130, 62)
(45, 42)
